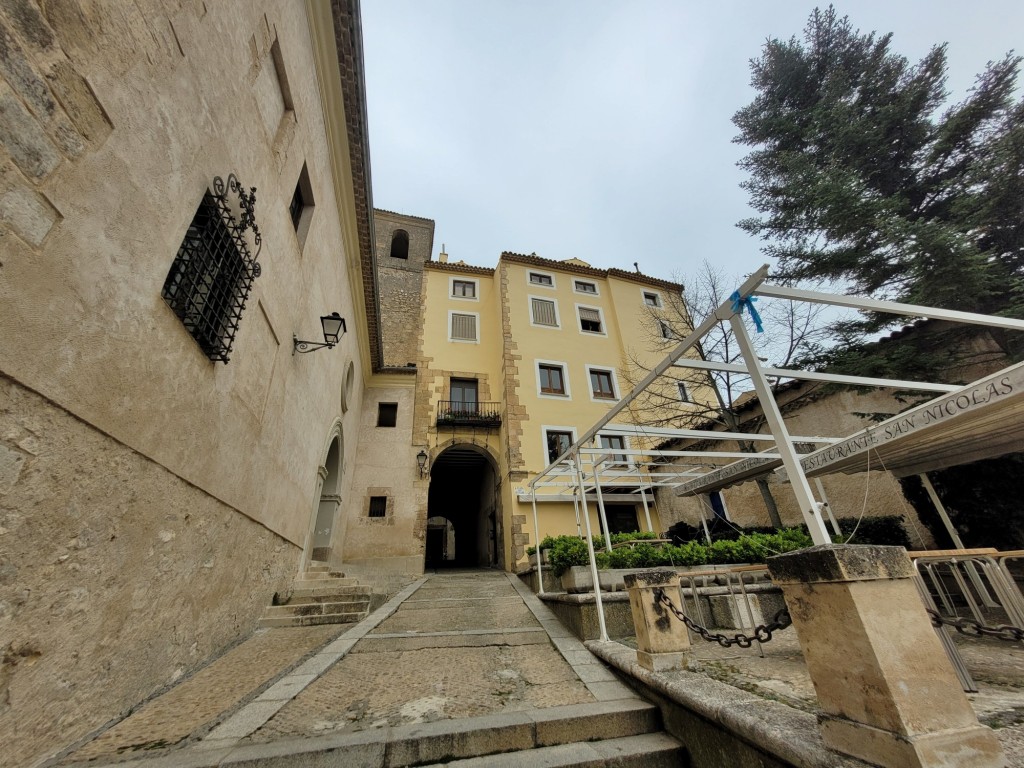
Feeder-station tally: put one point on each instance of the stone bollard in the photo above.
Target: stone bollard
(888, 692)
(662, 640)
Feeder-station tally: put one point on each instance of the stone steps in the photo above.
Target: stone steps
(649, 750)
(309, 621)
(329, 594)
(319, 595)
(316, 608)
(624, 733)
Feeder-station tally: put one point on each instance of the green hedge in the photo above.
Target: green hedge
(567, 551)
(886, 529)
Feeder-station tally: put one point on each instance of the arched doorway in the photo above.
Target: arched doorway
(463, 509)
(330, 502)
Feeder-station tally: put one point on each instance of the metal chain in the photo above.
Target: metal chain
(967, 626)
(762, 632)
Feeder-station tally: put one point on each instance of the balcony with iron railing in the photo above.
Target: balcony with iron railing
(454, 413)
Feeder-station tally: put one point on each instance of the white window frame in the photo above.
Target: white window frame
(476, 290)
(620, 465)
(615, 384)
(657, 298)
(558, 317)
(537, 363)
(544, 429)
(579, 321)
(597, 288)
(551, 287)
(463, 341)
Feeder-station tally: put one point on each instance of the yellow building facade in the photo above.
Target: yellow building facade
(515, 364)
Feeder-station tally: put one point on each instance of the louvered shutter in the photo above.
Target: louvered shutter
(544, 312)
(464, 327)
(590, 314)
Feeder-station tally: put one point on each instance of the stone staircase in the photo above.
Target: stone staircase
(319, 595)
(625, 733)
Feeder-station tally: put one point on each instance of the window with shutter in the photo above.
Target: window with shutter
(590, 320)
(544, 312)
(463, 327)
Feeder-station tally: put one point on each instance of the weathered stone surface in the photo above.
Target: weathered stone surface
(879, 671)
(28, 213)
(24, 138)
(840, 562)
(111, 540)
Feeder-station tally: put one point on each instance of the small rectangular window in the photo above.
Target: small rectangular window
(387, 414)
(666, 330)
(652, 299)
(684, 395)
(582, 286)
(464, 289)
(615, 441)
(558, 443)
(543, 311)
(552, 380)
(601, 385)
(590, 320)
(378, 506)
(463, 327)
(538, 278)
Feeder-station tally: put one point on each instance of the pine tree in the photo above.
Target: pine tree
(864, 178)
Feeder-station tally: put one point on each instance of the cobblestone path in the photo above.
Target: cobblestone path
(449, 646)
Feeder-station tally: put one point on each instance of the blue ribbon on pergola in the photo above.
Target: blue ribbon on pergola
(739, 302)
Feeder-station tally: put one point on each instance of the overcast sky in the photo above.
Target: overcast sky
(601, 130)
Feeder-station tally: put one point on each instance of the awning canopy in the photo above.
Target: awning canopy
(982, 420)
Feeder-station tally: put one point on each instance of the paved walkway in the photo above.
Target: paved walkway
(449, 646)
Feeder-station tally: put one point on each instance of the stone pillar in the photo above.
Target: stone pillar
(888, 692)
(662, 640)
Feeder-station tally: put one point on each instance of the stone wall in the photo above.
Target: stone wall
(399, 284)
(386, 466)
(116, 576)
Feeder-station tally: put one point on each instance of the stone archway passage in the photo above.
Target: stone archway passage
(463, 484)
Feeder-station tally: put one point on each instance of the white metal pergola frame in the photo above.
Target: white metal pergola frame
(585, 452)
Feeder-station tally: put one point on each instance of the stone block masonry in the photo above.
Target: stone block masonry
(112, 570)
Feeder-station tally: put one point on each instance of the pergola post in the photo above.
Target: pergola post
(783, 443)
(643, 496)
(590, 549)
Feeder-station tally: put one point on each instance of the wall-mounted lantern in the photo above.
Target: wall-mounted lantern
(421, 459)
(334, 328)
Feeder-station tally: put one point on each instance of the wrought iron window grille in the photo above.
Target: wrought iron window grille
(212, 275)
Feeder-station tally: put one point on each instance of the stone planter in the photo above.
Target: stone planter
(544, 554)
(578, 578)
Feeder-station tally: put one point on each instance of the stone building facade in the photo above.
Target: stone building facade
(479, 419)
(166, 462)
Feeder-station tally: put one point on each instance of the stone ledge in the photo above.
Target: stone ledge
(787, 734)
(840, 562)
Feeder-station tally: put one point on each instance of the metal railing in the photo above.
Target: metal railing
(971, 581)
(456, 413)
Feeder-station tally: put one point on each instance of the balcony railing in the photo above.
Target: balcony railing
(454, 413)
